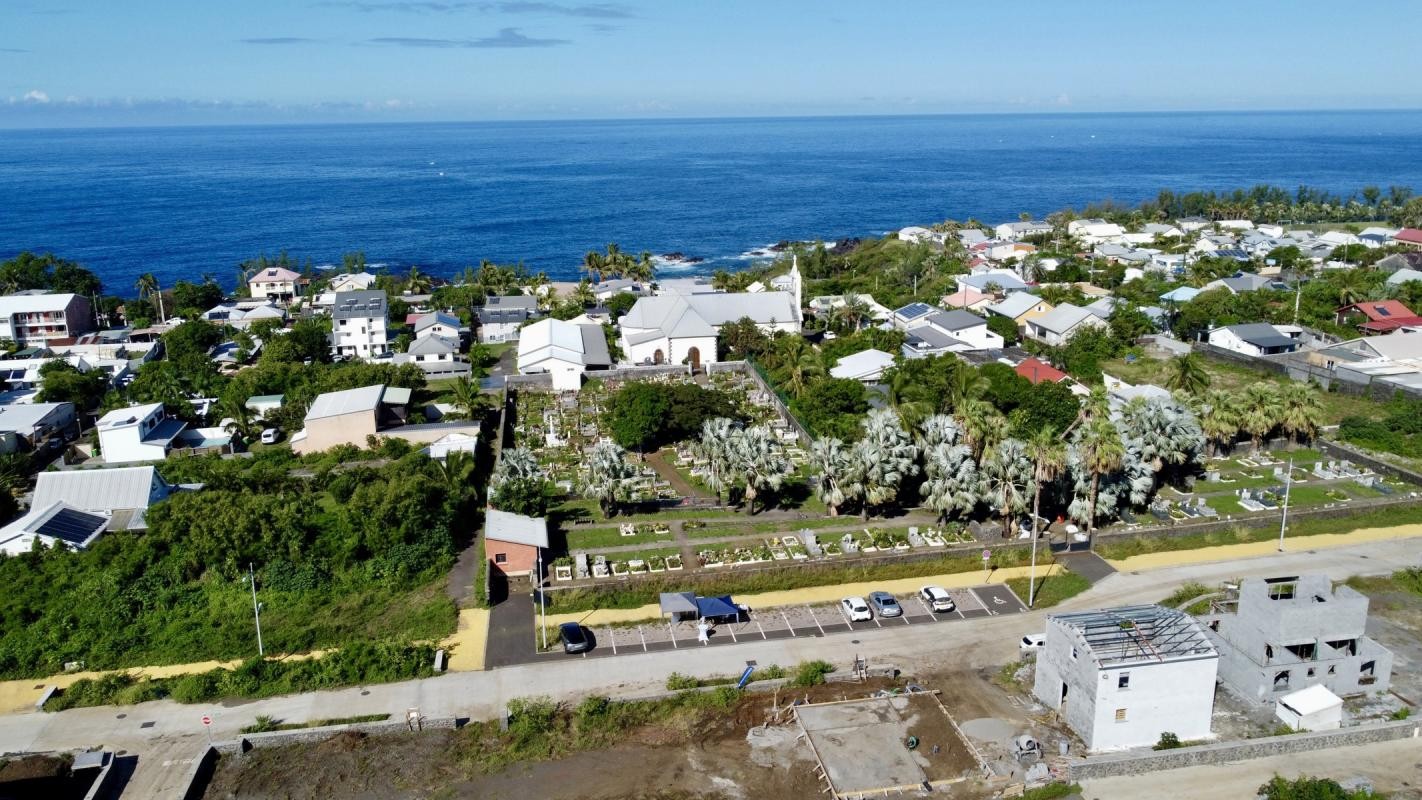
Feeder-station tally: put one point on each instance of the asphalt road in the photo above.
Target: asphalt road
(175, 728)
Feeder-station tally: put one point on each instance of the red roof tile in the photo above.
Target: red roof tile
(1412, 235)
(1036, 370)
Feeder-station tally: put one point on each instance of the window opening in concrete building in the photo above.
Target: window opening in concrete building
(1123, 681)
(1281, 680)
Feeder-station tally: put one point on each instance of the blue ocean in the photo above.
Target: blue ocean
(183, 202)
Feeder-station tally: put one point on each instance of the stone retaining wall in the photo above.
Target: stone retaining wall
(1224, 752)
(1341, 450)
(255, 741)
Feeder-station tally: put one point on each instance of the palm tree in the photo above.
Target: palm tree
(982, 425)
(713, 448)
(465, 396)
(1352, 286)
(950, 483)
(830, 461)
(965, 386)
(938, 429)
(595, 265)
(886, 455)
(644, 269)
(608, 474)
(241, 422)
(802, 364)
(1260, 411)
(910, 411)
(417, 282)
(1302, 411)
(1162, 432)
(1006, 472)
(1048, 457)
(147, 286)
(1187, 375)
(582, 294)
(456, 470)
(852, 312)
(1219, 419)
(1101, 451)
(759, 462)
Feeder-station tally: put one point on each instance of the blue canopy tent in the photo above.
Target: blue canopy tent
(716, 607)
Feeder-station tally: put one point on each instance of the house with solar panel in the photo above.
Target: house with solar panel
(122, 495)
(1120, 677)
(55, 525)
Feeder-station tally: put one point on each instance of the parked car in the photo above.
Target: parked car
(856, 609)
(1032, 642)
(937, 598)
(575, 638)
(885, 604)
(270, 436)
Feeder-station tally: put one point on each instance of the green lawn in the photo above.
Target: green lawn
(594, 538)
(1234, 378)
(1381, 517)
(1052, 589)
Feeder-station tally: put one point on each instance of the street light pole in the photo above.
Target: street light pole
(1284, 520)
(256, 607)
(542, 609)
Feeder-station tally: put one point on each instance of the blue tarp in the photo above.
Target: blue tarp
(717, 606)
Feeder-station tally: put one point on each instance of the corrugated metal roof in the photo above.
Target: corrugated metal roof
(350, 401)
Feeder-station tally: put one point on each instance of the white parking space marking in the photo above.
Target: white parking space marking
(786, 617)
(977, 597)
(924, 603)
(612, 638)
(644, 638)
(762, 629)
(671, 629)
(816, 618)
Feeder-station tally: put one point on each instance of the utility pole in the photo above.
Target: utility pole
(1284, 520)
(256, 607)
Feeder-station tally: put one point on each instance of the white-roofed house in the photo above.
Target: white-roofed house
(564, 350)
(866, 366)
(121, 494)
(241, 317)
(512, 542)
(1403, 275)
(1057, 326)
(137, 433)
(1095, 231)
(36, 318)
(34, 423)
(435, 356)
(1016, 231)
(1313, 708)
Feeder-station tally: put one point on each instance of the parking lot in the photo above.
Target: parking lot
(787, 622)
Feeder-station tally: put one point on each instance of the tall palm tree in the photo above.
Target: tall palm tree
(1006, 473)
(608, 474)
(759, 462)
(241, 422)
(982, 425)
(1301, 411)
(1163, 433)
(1048, 457)
(644, 269)
(886, 455)
(950, 483)
(595, 265)
(417, 282)
(148, 288)
(582, 294)
(910, 411)
(465, 396)
(1260, 411)
(852, 312)
(830, 461)
(1187, 374)
(1219, 419)
(713, 448)
(965, 385)
(1101, 451)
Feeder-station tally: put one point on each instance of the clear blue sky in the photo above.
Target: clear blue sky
(153, 62)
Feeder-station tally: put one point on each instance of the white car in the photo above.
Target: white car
(270, 436)
(1032, 642)
(937, 598)
(856, 609)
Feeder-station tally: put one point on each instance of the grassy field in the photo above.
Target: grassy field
(1377, 518)
(1234, 378)
(1052, 589)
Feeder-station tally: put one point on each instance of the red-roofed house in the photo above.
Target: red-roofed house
(1409, 236)
(1036, 370)
(1378, 316)
(968, 299)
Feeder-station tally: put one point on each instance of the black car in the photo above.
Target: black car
(575, 638)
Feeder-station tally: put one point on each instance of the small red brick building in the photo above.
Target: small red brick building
(512, 541)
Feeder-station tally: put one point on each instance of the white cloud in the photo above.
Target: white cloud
(36, 96)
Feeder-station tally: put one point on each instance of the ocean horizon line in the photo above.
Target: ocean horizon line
(709, 118)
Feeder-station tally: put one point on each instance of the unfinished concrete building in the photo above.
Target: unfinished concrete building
(1121, 677)
(1279, 635)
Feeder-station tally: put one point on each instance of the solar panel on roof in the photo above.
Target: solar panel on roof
(915, 309)
(68, 525)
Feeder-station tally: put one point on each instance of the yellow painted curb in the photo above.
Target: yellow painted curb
(814, 594)
(466, 646)
(1230, 552)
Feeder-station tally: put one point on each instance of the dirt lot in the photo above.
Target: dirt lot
(728, 755)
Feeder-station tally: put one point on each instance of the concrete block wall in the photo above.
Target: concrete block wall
(1225, 752)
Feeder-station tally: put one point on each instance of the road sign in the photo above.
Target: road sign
(206, 720)
(987, 554)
